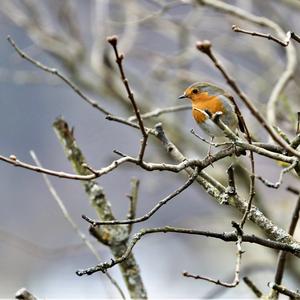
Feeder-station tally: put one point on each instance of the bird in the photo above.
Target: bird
(208, 99)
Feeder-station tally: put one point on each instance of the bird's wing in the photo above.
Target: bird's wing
(241, 120)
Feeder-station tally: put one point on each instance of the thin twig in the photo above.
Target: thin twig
(282, 134)
(293, 190)
(192, 131)
(277, 184)
(253, 287)
(239, 252)
(160, 111)
(12, 159)
(126, 122)
(295, 36)
(58, 74)
(298, 124)
(152, 211)
(264, 35)
(251, 196)
(133, 198)
(231, 181)
(113, 40)
(289, 35)
(69, 219)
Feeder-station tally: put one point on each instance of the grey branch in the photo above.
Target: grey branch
(24, 294)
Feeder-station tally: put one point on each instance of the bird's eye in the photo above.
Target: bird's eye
(195, 91)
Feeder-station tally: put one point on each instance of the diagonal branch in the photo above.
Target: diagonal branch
(253, 287)
(58, 74)
(70, 220)
(115, 237)
(282, 255)
(277, 184)
(113, 40)
(153, 210)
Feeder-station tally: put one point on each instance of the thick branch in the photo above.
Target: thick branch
(115, 238)
(218, 192)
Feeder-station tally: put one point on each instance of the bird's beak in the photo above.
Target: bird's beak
(182, 96)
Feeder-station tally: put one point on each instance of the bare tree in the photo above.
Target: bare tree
(98, 68)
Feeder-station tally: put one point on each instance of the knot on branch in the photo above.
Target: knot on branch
(238, 228)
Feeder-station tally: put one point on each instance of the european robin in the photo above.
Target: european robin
(209, 97)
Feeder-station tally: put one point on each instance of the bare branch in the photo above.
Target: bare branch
(231, 181)
(160, 111)
(24, 294)
(209, 142)
(253, 287)
(218, 191)
(289, 35)
(235, 138)
(133, 198)
(58, 74)
(114, 236)
(239, 252)
(277, 184)
(293, 190)
(17, 163)
(298, 125)
(69, 219)
(264, 35)
(282, 255)
(113, 40)
(153, 210)
(225, 236)
(93, 173)
(283, 290)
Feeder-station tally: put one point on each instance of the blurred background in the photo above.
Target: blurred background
(39, 249)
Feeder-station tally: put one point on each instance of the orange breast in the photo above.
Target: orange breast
(205, 102)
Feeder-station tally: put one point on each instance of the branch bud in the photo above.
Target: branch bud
(204, 46)
(113, 40)
(234, 28)
(13, 157)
